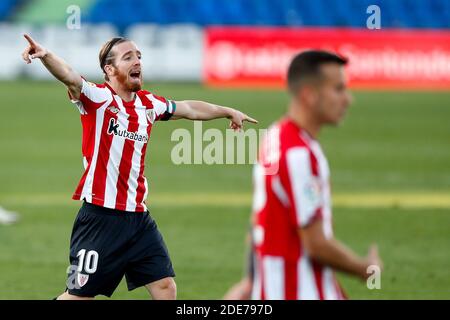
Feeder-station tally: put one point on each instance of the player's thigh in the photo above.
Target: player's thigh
(97, 254)
(149, 259)
(68, 296)
(162, 289)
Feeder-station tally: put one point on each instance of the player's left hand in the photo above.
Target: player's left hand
(237, 119)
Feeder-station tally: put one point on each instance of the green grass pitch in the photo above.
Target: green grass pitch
(395, 145)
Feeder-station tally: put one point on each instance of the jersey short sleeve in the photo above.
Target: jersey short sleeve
(92, 97)
(305, 191)
(163, 108)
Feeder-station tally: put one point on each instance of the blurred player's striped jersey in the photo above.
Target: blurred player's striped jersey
(291, 189)
(115, 138)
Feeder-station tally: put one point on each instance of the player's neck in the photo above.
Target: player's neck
(124, 93)
(304, 120)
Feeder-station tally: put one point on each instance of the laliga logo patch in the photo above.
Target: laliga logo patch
(113, 109)
(82, 279)
(150, 115)
(312, 192)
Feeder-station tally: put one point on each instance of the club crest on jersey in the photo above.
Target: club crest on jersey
(150, 115)
(82, 279)
(113, 109)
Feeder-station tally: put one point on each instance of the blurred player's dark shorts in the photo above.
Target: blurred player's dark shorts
(107, 244)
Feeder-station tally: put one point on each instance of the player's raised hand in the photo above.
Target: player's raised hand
(33, 51)
(237, 119)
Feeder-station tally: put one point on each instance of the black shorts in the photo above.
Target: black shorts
(107, 244)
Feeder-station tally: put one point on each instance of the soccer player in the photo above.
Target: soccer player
(113, 234)
(8, 217)
(295, 251)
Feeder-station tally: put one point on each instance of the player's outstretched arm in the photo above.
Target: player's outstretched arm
(335, 254)
(199, 110)
(57, 66)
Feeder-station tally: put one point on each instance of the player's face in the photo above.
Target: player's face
(127, 66)
(333, 97)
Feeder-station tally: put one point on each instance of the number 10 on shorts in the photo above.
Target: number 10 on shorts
(87, 261)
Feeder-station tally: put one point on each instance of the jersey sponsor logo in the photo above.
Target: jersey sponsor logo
(114, 129)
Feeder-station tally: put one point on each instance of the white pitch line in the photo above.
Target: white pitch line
(426, 199)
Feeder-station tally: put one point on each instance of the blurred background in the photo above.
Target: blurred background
(390, 160)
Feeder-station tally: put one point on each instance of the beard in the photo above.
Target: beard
(123, 80)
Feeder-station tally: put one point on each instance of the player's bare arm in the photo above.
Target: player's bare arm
(54, 64)
(242, 290)
(335, 254)
(199, 110)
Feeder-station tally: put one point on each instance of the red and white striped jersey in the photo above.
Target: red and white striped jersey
(115, 139)
(291, 189)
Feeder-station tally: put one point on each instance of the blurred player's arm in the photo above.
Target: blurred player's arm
(307, 198)
(334, 253)
(55, 65)
(199, 110)
(242, 290)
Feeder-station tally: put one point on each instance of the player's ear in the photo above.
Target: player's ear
(309, 95)
(108, 70)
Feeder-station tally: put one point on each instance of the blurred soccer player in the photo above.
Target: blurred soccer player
(113, 234)
(296, 253)
(8, 217)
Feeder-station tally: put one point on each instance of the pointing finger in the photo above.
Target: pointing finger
(30, 40)
(249, 119)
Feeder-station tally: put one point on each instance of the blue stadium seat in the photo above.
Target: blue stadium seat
(342, 13)
(6, 8)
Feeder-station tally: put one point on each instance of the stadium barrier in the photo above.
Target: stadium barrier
(170, 53)
(384, 59)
